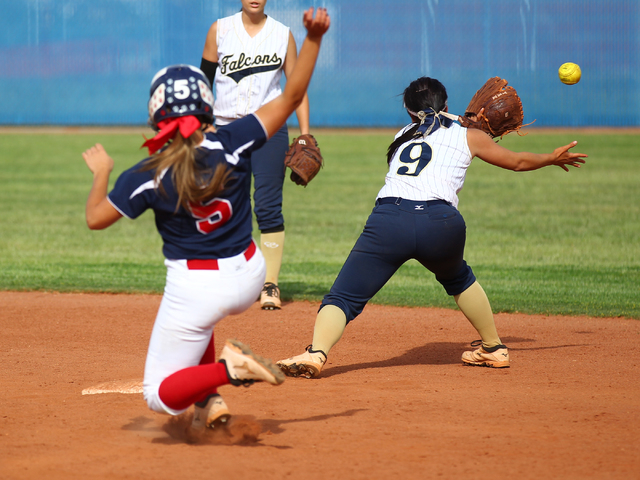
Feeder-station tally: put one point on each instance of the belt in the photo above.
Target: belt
(212, 263)
(399, 200)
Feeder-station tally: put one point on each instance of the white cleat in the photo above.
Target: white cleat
(212, 414)
(494, 357)
(245, 367)
(308, 364)
(270, 297)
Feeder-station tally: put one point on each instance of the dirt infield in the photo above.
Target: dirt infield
(393, 402)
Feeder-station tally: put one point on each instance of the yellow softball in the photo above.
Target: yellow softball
(569, 73)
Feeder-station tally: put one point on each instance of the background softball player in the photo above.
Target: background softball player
(199, 189)
(244, 57)
(416, 216)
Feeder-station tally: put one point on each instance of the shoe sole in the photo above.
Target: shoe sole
(219, 420)
(300, 370)
(264, 363)
(215, 419)
(270, 306)
(489, 364)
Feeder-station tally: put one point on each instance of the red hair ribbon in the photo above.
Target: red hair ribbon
(168, 128)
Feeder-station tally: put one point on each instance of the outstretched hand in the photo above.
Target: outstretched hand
(318, 26)
(99, 211)
(564, 158)
(97, 159)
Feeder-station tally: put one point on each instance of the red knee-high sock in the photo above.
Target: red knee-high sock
(209, 356)
(190, 385)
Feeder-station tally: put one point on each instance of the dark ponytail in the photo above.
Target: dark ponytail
(405, 137)
(421, 94)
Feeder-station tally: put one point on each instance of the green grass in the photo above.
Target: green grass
(546, 242)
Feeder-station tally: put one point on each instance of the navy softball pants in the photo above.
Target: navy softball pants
(433, 233)
(267, 164)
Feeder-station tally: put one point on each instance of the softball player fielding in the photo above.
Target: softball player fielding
(199, 189)
(415, 216)
(244, 57)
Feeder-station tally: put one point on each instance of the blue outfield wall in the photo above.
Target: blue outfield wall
(89, 62)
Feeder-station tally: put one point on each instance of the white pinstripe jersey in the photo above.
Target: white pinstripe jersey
(429, 168)
(249, 69)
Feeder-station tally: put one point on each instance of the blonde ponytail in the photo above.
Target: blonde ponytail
(193, 183)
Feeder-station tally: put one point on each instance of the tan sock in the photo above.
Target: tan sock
(272, 247)
(476, 307)
(330, 324)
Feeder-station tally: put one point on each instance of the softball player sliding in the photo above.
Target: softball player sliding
(199, 189)
(244, 57)
(415, 216)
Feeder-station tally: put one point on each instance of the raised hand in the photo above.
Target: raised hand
(97, 159)
(318, 26)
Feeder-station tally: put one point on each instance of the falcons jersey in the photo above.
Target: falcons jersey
(220, 228)
(249, 69)
(429, 167)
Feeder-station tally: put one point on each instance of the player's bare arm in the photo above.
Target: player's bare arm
(275, 113)
(483, 147)
(302, 112)
(99, 212)
(210, 51)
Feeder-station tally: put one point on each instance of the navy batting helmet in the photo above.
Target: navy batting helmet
(178, 91)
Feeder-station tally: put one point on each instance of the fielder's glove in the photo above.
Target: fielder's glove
(502, 109)
(304, 159)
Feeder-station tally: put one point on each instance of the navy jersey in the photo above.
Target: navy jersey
(220, 228)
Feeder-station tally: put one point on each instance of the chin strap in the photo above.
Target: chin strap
(168, 128)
